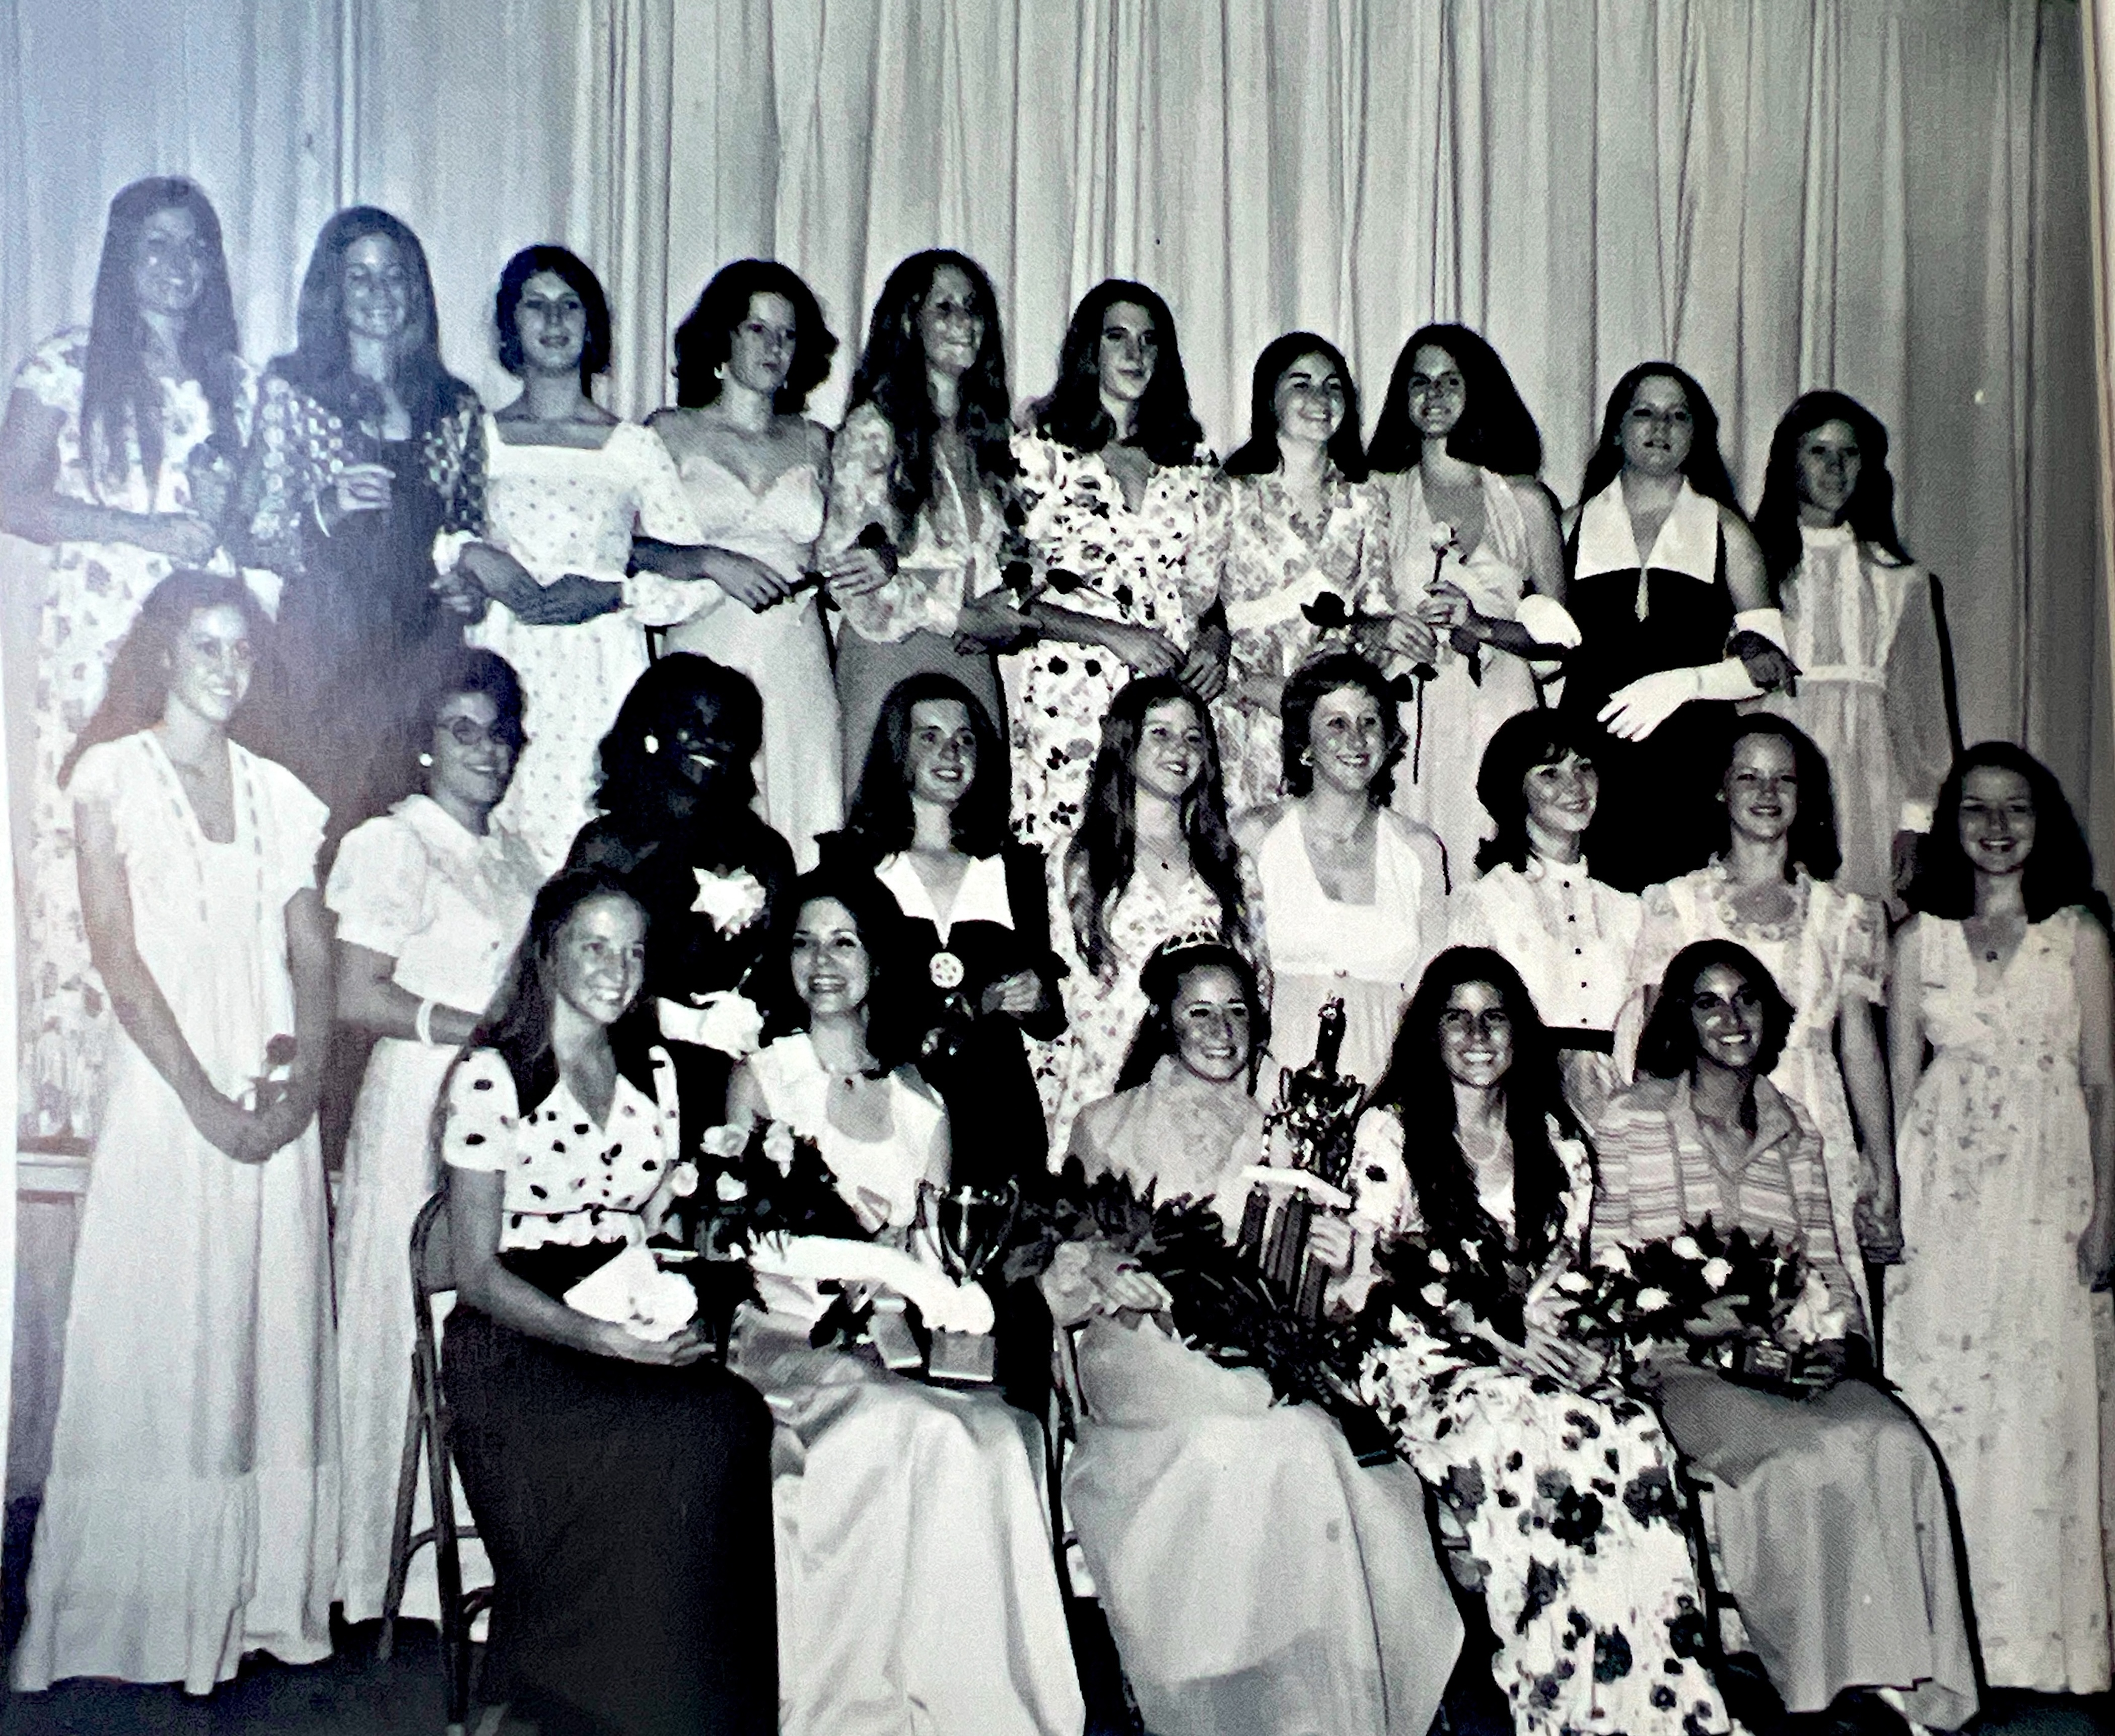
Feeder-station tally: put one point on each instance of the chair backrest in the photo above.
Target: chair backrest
(433, 1253)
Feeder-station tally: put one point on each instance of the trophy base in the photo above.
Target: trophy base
(965, 1358)
(891, 1335)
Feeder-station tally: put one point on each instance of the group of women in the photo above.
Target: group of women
(967, 790)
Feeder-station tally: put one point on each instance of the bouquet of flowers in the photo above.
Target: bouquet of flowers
(769, 1181)
(1745, 1305)
(1463, 1291)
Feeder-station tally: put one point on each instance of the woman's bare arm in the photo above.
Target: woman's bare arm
(369, 998)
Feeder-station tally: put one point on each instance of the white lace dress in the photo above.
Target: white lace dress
(561, 509)
(1989, 1332)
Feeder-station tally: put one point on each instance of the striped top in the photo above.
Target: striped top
(1657, 1177)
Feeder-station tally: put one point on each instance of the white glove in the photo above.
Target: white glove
(1548, 621)
(1635, 712)
(1726, 680)
(1764, 623)
(946, 1305)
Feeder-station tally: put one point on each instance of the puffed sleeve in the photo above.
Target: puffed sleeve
(666, 514)
(52, 372)
(99, 782)
(1915, 703)
(378, 886)
(1039, 476)
(663, 503)
(294, 820)
(859, 465)
(1380, 1180)
(479, 1112)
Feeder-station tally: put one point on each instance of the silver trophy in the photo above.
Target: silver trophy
(971, 1227)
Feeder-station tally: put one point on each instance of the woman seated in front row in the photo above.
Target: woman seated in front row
(1830, 1511)
(917, 1588)
(1561, 1485)
(621, 1485)
(1256, 1577)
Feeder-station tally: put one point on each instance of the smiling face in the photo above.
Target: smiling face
(1437, 392)
(377, 289)
(940, 757)
(950, 325)
(831, 970)
(1170, 756)
(1210, 1018)
(1761, 790)
(1657, 428)
(1727, 1015)
(1346, 738)
(169, 259)
(1997, 820)
(707, 755)
(551, 321)
(760, 349)
(1126, 355)
(1828, 466)
(210, 663)
(598, 958)
(1562, 797)
(1309, 400)
(1475, 1036)
(471, 763)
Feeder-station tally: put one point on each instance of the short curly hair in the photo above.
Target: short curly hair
(1310, 683)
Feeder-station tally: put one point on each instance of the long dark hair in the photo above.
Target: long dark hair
(320, 364)
(519, 1025)
(1811, 843)
(1495, 431)
(893, 1029)
(1296, 710)
(569, 267)
(1104, 851)
(1160, 980)
(1525, 740)
(2059, 868)
(138, 687)
(1258, 455)
(705, 339)
(638, 756)
(1667, 1047)
(1870, 510)
(892, 377)
(1165, 429)
(1418, 1088)
(881, 817)
(1704, 466)
(119, 395)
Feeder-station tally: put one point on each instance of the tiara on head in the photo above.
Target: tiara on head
(1189, 938)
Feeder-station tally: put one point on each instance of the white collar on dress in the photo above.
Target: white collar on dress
(1687, 542)
(1827, 536)
(981, 897)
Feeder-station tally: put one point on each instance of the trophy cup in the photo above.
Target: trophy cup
(971, 1227)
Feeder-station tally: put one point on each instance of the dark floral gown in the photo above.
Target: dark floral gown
(1562, 1504)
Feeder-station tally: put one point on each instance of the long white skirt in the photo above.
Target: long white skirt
(190, 1515)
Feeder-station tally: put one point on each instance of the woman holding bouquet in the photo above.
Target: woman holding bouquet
(1831, 1510)
(1561, 1486)
(916, 1587)
(1256, 1577)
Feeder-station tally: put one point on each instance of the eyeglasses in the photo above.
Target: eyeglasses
(468, 732)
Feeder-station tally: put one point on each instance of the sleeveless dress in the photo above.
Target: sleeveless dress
(1452, 719)
(781, 648)
(1990, 1334)
(1830, 958)
(1656, 817)
(561, 509)
(1368, 956)
(190, 1514)
(449, 906)
(917, 1591)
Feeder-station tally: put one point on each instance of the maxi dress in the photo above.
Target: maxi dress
(449, 906)
(1144, 566)
(783, 649)
(1259, 1581)
(1573, 1529)
(1456, 714)
(92, 594)
(190, 1514)
(918, 1592)
(561, 509)
(1990, 1334)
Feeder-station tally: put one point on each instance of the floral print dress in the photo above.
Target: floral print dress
(1565, 1502)
(1989, 1332)
(1140, 567)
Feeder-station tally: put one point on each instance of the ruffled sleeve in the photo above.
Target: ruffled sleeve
(860, 463)
(99, 781)
(51, 374)
(1039, 476)
(664, 504)
(378, 886)
(478, 1125)
(293, 820)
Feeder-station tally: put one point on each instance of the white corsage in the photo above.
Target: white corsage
(724, 1020)
(733, 900)
(1814, 1318)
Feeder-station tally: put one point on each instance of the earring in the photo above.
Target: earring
(719, 370)
(652, 744)
(425, 759)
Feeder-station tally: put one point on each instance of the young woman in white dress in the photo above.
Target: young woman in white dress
(1353, 894)
(917, 1591)
(430, 899)
(1257, 1577)
(190, 1513)
(2001, 1030)
(1471, 535)
(567, 486)
(757, 470)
